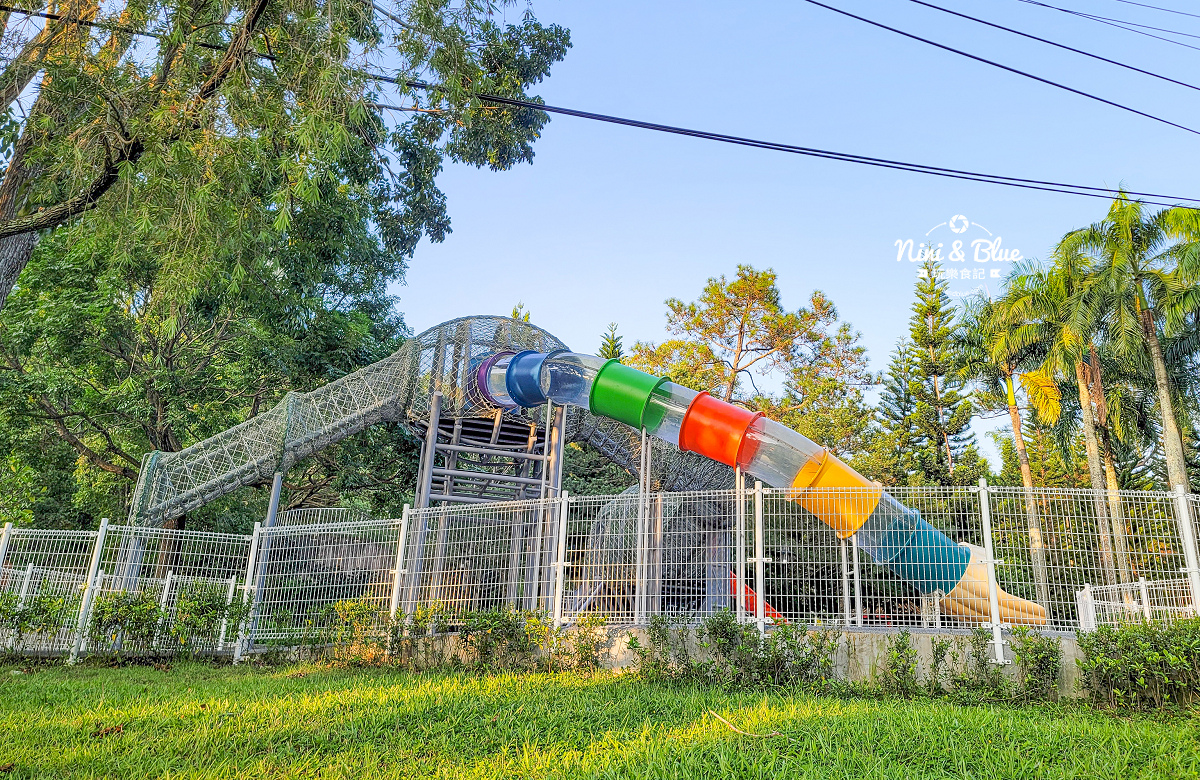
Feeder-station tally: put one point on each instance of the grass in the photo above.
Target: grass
(199, 721)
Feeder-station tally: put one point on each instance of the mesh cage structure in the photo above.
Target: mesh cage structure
(396, 389)
(43, 574)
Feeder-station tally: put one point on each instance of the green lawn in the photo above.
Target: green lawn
(307, 722)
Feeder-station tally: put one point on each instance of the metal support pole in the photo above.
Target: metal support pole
(26, 581)
(656, 547)
(760, 560)
(858, 607)
(89, 591)
(739, 541)
(564, 508)
(985, 512)
(273, 505)
(1187, 539)
(430, 451)
(244, 636)
(845, 584)
(639, 567)
(399, 571)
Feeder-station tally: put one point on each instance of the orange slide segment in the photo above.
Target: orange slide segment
(752, 601)
(846, 511)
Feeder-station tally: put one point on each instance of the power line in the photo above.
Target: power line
(1159, 8)
(985, 178)
(1054, 43)
(995, 64)
(879, 162)
(1112, 23)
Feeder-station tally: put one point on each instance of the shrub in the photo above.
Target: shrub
(979, 678)
(897, 675)
(44, 613)
(738, 656)
(1039, 661)
(125, 622)
(1147, 664)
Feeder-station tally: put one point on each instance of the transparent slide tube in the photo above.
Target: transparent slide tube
(894, 535)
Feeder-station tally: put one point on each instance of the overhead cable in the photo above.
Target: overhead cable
(986, 178)
(1105, 193)
(1110, 23)
(1008, 68)
(1055, 43)
(1159, 8)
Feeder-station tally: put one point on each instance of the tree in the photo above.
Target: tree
(899, 439)
(823, 394)
(735, 329)
(103, 357)
(586, 472)
(1139, 287)
(610, 345)
(206, 127)
(943, 412)
(987, 357)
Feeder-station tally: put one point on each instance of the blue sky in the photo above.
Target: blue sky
(610, 221)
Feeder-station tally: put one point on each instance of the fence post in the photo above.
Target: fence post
(739, 518)
(243, 636)
(225, 619)
(399, 571)
(88, 591)
(1187, 539)
(985, 511)
(561, 565)
(845, 583)
(1085, 605)
(163, 601)
(760, 560)
(858, 609)
(5, 535)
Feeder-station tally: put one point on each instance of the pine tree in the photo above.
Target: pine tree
(610, 346)
(943, 411)
(897, 406)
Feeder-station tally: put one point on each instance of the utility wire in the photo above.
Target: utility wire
(1114, 21)
(1054, 43)
(1111, 23)
(1159, 8)
(879, 162)
(1003, 67)
(986, 178)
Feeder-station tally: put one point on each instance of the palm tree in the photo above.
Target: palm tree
(1142, 265)
(990, 359)
(1041, 309)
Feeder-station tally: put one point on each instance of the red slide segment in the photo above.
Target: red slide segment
(752, 601)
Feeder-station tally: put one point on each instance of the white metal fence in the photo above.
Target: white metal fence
(1087, 558)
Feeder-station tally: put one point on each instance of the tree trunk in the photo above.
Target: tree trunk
(1172, 440)
(1037, 547)
(1115, 508)
(15, 251)
(1096, 471)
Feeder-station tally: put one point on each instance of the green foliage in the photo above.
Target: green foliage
(978, 678)
(587, 472)
(897, 674)
(125, 623)
(1039, 663)
(735, 655)
(610, 345)
(941, 410)
(1142, 665)
(43, 614)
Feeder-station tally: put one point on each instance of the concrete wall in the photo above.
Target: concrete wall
(862, 650)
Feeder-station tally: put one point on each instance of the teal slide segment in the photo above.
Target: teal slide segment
(898, 537)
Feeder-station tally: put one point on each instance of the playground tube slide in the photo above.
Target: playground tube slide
(893, 534)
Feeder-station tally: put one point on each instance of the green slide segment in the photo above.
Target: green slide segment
(622, 393)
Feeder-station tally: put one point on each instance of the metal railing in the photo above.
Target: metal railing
(1087, 558)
